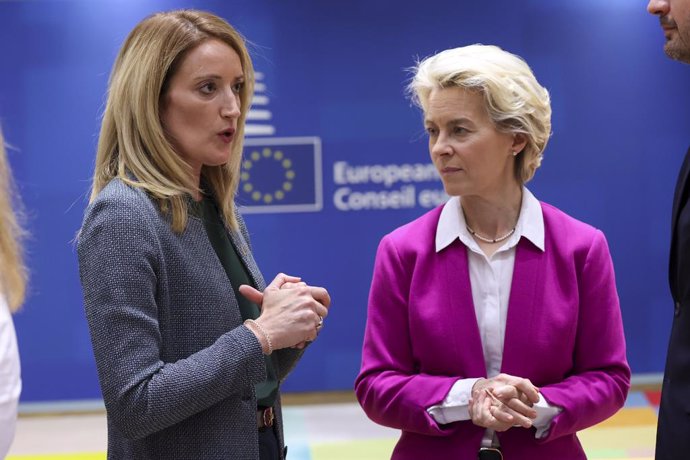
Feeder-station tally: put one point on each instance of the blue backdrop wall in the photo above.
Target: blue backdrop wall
(331, 86)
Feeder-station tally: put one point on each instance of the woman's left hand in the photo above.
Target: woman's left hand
(318, 296)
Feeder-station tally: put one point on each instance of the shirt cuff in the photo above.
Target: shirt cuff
(454, 407)
(545, 415)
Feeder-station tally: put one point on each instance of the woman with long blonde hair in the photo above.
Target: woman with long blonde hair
(13, 278)
(190, 352)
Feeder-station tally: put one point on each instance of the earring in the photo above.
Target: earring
(515, 153)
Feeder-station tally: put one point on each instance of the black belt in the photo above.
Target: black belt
(265, 417)
(490, 453)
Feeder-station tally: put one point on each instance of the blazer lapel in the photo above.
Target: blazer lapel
(466, 340)
(529, 263)
(680, 190)
(681, 185)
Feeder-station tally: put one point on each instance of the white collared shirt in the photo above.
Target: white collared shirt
(490, 279)
(10, 381)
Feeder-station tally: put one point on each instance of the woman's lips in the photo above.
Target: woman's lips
(227, 136)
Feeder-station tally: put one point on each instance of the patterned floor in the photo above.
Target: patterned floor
(334, 432)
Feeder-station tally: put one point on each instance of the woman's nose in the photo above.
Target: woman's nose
(231, 107)
(440, 146)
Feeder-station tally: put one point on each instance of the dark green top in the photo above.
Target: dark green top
(238, 275)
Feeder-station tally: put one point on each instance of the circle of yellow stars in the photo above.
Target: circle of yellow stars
(264, 196)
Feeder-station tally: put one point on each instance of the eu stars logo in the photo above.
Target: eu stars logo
(267, 196)
(281, 175)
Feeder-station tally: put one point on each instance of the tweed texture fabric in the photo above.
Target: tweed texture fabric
(176, 366)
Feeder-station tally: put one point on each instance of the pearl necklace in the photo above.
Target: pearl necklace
(489, 240)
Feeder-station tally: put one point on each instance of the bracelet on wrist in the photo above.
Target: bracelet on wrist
(268, 349)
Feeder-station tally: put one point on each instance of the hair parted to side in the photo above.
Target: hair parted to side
(13, 272)
(132, 144)
(514, 99)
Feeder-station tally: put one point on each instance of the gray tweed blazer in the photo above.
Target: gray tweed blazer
(176, 366)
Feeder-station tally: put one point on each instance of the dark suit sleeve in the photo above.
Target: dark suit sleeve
(600, 377)
(120, 264)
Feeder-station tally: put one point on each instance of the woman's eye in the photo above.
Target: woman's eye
(208, 88)
(431, 131)
(237, 87)
(459, 130)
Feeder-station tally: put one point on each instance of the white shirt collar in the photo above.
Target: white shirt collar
(452, 225)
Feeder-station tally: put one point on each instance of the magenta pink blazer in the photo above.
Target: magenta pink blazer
(564, 332)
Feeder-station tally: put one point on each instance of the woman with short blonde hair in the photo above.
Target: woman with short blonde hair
(494, 327)
(515, 100)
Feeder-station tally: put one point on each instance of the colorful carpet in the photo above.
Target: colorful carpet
(340, 432)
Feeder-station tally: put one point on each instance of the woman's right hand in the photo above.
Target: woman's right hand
(289, 316)
(502, 402)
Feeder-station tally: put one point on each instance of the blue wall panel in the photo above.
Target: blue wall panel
(336, 71)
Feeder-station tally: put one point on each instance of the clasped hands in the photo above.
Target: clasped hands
(503, 402)
(292, 312)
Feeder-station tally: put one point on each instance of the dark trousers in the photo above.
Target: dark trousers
(268, 444)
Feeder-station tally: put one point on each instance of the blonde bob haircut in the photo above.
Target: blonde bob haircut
(13, 272)
(132, 144)
(515, 101)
